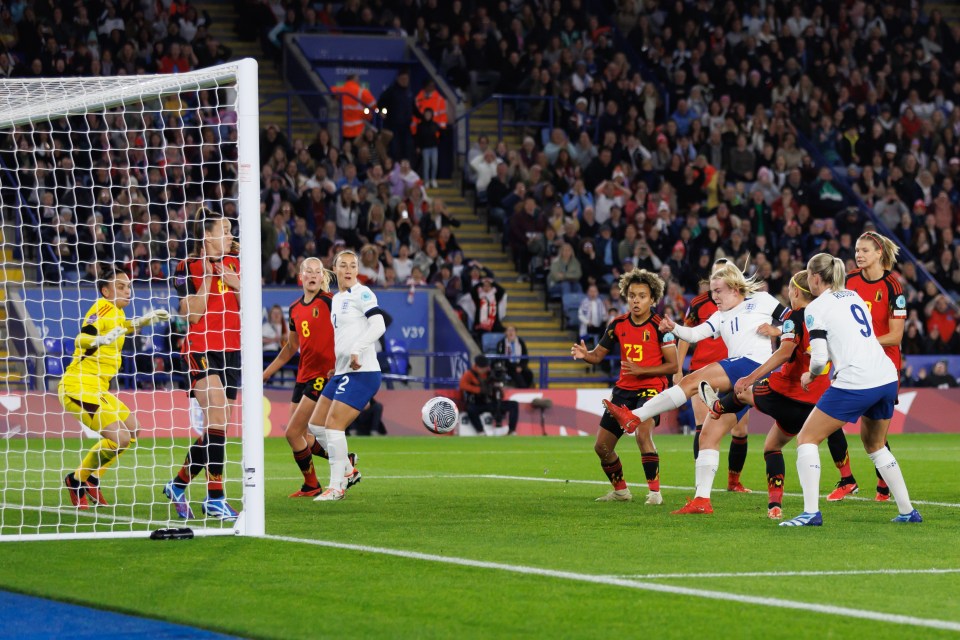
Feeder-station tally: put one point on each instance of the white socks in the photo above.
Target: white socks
(337, 450)
(887, 466)
(808, 468)
(320, 433)
(708, 461)
(672, 398)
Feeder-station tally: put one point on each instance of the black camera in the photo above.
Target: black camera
(498, 373)
(493, 389)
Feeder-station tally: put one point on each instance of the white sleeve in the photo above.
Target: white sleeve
(708, 329)
(819, 353)
(375, 328)
(819, 356)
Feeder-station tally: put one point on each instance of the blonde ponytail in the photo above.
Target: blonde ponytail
(831, 270)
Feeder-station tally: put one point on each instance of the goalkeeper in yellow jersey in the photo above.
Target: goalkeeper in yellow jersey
(84, 390)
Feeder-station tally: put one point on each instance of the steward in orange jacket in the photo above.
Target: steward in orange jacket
(357, 105)
(430, 98)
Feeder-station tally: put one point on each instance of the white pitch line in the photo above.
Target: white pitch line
(101, 517)
(73, 511)
(786, 574)
(779, 603)
(494, 476)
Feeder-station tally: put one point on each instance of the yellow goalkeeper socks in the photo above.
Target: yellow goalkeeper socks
(99, 472)
(99, 456)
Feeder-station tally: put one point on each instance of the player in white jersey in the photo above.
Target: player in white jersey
(357, 325)
(742, 310)
(864, 386)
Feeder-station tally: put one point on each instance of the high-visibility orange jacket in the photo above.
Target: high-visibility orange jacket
(356, 107)
(434, 101)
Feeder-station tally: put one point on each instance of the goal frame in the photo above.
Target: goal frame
(131, 89)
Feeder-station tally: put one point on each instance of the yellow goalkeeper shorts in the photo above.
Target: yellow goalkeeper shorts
(84, 398)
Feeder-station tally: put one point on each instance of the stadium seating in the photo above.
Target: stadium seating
(489, 342)
(570, 306)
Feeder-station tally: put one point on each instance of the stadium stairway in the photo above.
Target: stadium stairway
(273, 91)
(538, 326)
(483, 121)
(537, 323)
(12, 370)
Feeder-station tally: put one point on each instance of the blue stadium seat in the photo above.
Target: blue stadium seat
(52, 369)
(398, 356)
(59, 352)
(571, 305)
(160, 344)
(489, 342)
(53, 346)
(53, 366)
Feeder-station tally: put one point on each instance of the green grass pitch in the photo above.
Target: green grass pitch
(527, 504)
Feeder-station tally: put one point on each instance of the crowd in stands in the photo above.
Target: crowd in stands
(135, 174)
(735, 141)
(721, 129)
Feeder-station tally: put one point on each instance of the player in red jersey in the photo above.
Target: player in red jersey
(647, 357)
(311, 333)
(778, 394)
(879, 287)
(707, 352)
(208, 283)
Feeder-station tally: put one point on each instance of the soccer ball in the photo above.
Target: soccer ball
(440, 415)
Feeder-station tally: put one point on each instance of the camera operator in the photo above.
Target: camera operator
(482, 389)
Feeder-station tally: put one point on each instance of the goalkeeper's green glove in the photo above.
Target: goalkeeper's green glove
(157, 315)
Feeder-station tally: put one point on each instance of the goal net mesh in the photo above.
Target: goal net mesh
(112, 171)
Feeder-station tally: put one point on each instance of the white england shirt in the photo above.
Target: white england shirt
(349, 316)
(859, 361)
(738, 326)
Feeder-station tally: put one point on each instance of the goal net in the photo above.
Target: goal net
(99, 173)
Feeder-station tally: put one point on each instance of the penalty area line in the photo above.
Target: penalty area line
(786, 574)
(494, 476)
(779, 603)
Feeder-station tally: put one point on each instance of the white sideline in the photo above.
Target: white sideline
(786, 574)
(780, 603)
(494, 476)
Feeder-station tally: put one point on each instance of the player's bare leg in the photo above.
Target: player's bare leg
(816, 428)
(673, 398)
(773, 456)
(318, 431)
(873, 433)
(124, 435)
(207, 452)
(339, 417)
(708, 461)
(605, 448)
(651, 461)
(301, 441)
(699, 415)
(737, 456)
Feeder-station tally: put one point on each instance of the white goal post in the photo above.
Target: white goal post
(110, 171)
